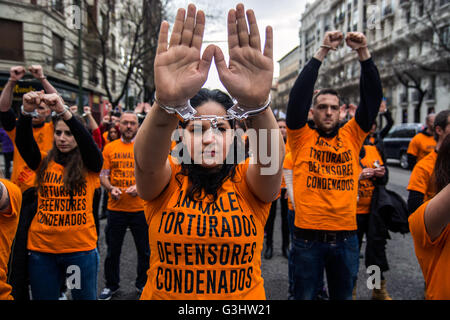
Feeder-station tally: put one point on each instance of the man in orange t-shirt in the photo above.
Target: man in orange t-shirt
(125, 208)
(422, 143)
(326, 171)
(10, 204)
(421, 186)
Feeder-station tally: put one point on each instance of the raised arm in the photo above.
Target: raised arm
(90, 153)
(38, 73)
(27, 146)
(248, 79)
(437, 214)
(300, 97)
(180, 72)
(370, 89)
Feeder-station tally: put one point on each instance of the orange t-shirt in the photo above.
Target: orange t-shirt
(21, 175)
(8, 227)
(288, 165)
(118, 158)
(325, 175)
(421, 178)
(62, 226)
(204, 250)
(366, 186)
(421, 145)
(433, 256)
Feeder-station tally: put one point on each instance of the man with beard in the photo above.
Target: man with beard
(325, 160)
(125, 208)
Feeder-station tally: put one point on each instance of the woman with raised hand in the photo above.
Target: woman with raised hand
(206, 220)
(62, 238)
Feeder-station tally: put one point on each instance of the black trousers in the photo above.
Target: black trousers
(116, 227)
(8, 156)
(363, 226)
(284, 221)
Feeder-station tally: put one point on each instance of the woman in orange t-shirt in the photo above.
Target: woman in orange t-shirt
(62, 238)
(206, 219)
(430, 229)
(10, 204)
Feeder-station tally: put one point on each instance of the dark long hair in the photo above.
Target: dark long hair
(74, 169)
(204, 179)
(442, 166)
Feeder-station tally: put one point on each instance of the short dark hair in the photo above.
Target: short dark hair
(442, 166)
(326, 91)
(441, 120)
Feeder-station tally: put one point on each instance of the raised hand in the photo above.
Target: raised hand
(332, 39)
(352, 109)
(248, 78)
(54, 102)
(343, 111)
(139, 108)
(179, 71)
(31, 100)
(36, 71)
(16, 73)
(356, 40)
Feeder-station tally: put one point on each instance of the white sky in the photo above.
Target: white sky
(282, 15)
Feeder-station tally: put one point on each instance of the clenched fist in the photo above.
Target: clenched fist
(333, 39)
(31, 100)
(36, 71)
(16, 73)
(356, 40)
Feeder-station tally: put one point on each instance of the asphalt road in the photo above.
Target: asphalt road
(404, 279)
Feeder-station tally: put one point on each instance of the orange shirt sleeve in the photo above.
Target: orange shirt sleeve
(419, 179)
(8, 227)
(433, 256)
(413, 147)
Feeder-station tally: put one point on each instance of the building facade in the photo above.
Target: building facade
(289, 69)
(403, 43)
(46, 32)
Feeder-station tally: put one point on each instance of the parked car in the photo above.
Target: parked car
(397, 140)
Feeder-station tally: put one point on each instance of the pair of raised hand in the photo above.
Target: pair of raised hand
(354, 40)
(17, 72)
(33, 99)
(180, 70)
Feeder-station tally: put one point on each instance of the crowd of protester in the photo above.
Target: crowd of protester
(200, 228)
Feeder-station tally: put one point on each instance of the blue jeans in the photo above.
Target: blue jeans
(290, 219)
(48, 272)
(340, 260)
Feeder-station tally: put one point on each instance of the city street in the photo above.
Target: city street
(404, 279)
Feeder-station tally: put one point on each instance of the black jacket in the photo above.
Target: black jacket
(388, 212)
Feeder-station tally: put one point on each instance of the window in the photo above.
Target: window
(113, 80)
(113, 47)
(420, 8)
(58, 49)
(58, 5)
(92, 17)
(93, 72)
(12, 40)
(75, 61)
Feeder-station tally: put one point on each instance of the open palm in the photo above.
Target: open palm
(179, 71)
(248, 78)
